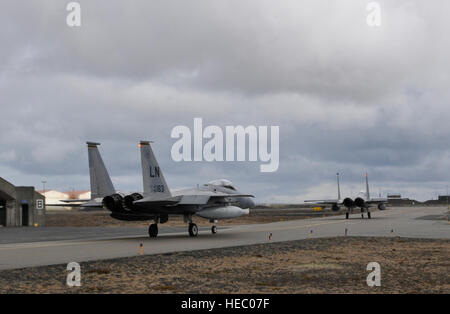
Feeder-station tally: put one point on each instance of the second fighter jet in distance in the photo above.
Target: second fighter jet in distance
(363, 201)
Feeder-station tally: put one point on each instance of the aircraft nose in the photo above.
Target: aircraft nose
(251, 203)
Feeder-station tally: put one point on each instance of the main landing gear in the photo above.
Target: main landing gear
(368, 214)
(347, 214)
(193, 229)
(153, 230)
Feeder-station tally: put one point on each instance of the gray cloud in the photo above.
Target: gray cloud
(347, 97)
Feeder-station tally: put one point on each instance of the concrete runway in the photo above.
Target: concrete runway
(25, 247)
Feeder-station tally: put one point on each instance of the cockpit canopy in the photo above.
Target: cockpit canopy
(224, 183)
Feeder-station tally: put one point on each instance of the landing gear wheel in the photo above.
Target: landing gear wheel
(193, 230)
(368, 215)
(346, 215)
(153, 230)
(214, 229)
(362, 216)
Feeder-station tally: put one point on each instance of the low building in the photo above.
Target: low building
(20, 206)
(55, 198)
(398, 200)
(441, 200)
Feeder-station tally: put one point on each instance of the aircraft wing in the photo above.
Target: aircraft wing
(377, 201)
(330, 202)
(230, 195)
(201, 198)
(157, 201)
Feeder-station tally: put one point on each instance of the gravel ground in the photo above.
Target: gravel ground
(332, 265)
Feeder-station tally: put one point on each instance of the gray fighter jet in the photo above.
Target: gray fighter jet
(363, 201)
(215, 200)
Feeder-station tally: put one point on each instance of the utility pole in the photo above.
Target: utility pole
(43, 185)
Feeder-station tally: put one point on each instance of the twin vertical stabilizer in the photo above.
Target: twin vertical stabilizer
(367, 187)
(101, 184)
(338, 186)
(154, 183)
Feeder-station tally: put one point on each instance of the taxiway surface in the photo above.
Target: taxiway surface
(26, 247)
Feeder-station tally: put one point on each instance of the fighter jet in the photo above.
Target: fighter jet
(362, 201)
(215, 200)
(101, 184)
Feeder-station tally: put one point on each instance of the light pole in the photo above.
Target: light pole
(43, 186)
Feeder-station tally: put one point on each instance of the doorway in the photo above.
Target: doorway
(24, 215)
(2, 213)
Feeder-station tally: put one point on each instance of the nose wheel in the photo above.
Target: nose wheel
(193, 230)
(213, 229)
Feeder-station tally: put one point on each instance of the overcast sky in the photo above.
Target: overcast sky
(348, 98)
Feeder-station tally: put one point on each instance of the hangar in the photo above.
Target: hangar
(20, 206)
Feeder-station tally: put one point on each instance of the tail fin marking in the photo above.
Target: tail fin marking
(153, 178)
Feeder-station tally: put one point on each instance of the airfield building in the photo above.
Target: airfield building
(20, 206)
